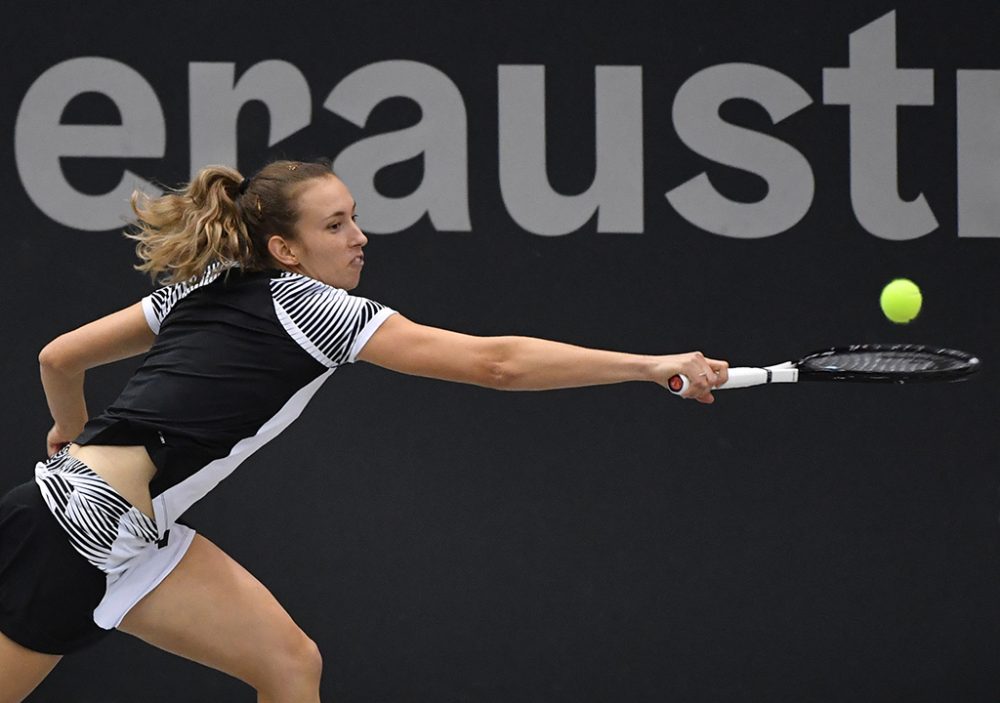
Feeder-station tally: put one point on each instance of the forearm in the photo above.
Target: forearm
(65, 398)
(527, 363)
(65, 359)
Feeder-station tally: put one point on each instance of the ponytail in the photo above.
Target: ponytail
(181, 233)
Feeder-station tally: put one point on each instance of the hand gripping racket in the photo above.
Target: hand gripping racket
(859, 363)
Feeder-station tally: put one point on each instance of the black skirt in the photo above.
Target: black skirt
(48, 592)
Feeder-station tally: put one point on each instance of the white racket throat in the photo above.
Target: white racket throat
(743, 376)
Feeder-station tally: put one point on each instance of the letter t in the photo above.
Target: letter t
(873, 87)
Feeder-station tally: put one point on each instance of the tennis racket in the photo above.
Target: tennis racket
(859, 363)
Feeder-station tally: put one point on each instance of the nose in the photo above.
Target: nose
(360, 239)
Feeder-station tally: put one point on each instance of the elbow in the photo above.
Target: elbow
(499, 371)
(55, 357)
(48, 356)
(498, 376)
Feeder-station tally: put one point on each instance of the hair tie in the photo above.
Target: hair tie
(244, 184)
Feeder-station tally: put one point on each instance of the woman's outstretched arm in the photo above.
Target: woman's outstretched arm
(527, 363)
(64, 360)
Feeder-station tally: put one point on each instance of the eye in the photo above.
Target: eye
(334, 226)
(354, 217)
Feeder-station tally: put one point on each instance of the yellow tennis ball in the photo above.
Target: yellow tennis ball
(901, 300)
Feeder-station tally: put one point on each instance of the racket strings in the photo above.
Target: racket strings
(898, 362)
(885, 362)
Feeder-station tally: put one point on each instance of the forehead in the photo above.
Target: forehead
(321, 197)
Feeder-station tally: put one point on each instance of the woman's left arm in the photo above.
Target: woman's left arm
(65, 359)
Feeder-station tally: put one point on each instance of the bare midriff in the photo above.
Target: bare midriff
(126, 469)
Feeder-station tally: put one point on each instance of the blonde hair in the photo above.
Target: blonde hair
(218, 218)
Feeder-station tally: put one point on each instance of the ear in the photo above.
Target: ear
(280, 251)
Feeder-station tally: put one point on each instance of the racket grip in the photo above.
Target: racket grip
(742, 377)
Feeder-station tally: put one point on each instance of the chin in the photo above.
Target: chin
(342, 282)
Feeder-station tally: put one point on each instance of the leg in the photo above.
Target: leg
(21, 669)
(213, 611)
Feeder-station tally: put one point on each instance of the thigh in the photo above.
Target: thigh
(21, 669)
(213, 611)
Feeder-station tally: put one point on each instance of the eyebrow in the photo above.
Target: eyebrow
(341, 213)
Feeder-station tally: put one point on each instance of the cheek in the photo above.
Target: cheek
(321, 246)
(341, 249)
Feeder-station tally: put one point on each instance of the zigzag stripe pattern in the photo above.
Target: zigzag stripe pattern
(324, 320)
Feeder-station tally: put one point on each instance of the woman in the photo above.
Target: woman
(255, 317)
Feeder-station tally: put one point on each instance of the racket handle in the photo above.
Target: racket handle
(742, 377)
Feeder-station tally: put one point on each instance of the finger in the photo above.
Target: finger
(705, 381)
(696, 387)
(721, 369)
(693, 386)
(721, 375)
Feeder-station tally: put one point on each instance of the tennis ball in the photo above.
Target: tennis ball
(901, 300)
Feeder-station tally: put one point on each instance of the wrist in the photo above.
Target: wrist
(68, 430)
(648, 367)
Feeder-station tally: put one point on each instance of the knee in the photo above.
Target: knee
(302, 657)
(309, 660)
(296, 666)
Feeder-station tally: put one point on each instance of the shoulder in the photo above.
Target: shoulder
(158, 304)
(290, 285)
(302, 297)
(330, 323)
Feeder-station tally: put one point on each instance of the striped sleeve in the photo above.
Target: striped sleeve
(327, 322)
(158, 304)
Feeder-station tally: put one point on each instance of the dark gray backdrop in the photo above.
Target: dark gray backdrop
(446, 543)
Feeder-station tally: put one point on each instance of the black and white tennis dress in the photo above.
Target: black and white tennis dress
(236, 359)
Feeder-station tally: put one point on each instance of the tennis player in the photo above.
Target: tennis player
(255, 316)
